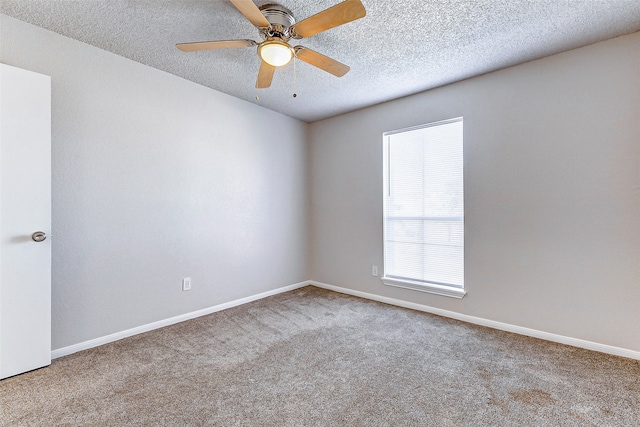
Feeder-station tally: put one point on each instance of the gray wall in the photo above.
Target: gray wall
(552, 193)
(154, 179)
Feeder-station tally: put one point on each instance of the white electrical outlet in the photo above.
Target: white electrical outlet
(186, 284)
(374, 270)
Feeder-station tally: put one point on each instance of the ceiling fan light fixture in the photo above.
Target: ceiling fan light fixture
(275, 53)
(276, 26)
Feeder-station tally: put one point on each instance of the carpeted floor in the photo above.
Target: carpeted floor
(312, 357)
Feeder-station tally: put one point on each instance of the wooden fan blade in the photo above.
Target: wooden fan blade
(325, 63)
(344, 12)
(219, 44)
(265, 75)
(250, 11)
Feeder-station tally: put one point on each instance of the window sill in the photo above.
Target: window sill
(431, 288)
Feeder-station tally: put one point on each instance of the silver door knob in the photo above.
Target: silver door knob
(38, 236)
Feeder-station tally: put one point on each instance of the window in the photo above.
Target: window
(424, 208)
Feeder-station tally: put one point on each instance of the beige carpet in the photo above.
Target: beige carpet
(316, 358)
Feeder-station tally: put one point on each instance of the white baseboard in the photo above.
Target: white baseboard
(575, 342)
(64, 351)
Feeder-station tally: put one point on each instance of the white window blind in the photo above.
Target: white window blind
(424, 208)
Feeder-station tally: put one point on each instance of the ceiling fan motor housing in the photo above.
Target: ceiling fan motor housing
(280, 19)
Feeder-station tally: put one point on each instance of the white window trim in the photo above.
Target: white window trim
(432, 288)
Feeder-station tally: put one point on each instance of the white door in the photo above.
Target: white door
(25, 208)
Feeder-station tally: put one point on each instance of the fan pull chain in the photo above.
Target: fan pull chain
(295, 80)
(256, 89)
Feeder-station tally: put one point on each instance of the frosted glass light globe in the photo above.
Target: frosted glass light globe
(276, 53)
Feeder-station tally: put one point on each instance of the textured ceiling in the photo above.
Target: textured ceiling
(401, 47)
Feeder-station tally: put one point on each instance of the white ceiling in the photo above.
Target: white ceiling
(401, 47)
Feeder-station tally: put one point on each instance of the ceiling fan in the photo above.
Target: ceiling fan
(277, 27)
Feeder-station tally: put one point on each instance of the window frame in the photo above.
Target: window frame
(429, 287)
